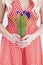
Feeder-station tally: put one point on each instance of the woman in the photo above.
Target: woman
(28, 50)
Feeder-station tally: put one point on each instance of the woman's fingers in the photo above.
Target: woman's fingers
(14, 38)
(17, 35)
(25, 37)
(22, 44)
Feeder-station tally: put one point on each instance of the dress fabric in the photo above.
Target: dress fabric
(11, 53)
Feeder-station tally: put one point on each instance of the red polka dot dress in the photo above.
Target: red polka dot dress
(11, 54)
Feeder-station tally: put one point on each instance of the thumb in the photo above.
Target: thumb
(17, 35)
(25, 37)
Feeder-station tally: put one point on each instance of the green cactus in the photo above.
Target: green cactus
(21, 25)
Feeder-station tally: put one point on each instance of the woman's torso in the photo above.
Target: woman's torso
(17, 6)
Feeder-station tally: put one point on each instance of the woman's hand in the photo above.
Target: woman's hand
(14, 38)
(26, 41)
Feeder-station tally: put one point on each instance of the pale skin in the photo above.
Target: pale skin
(15, 38)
